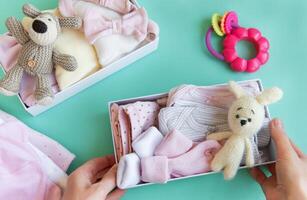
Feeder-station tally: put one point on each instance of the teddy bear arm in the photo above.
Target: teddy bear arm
(219, 135)
(249, 153)
(68, 62)
(16, 29)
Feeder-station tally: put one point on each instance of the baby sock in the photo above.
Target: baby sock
(128, 171)
(158, 169)
(173, 145)
(145, 144)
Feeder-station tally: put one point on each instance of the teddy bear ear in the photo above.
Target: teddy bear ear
(236, 89)
(70, 22)
(269, 96)
(31, 11)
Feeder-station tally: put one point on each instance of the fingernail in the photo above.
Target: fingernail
(277, 123)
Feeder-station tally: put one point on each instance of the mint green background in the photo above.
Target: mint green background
(82, 122)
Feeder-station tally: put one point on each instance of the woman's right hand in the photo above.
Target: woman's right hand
(289, 173)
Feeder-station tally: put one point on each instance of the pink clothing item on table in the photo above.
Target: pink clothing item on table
(54, 150)
(159, 169)
(66, 7)
(9, 50)
(141, 115)
(25, 171)
(129, 121)
(173, 144)
(97, 25)
(219, 96)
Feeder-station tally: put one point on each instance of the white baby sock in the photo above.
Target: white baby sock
(128, 171)
(145, 144)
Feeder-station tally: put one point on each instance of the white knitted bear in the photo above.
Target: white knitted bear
(245, 118)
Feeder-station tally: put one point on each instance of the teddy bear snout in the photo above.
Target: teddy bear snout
(243, 122)
(39, 26)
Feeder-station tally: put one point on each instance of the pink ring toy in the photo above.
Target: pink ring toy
(230, 55)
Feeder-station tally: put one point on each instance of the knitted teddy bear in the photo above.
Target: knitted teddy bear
(245, 118)
(37, 56)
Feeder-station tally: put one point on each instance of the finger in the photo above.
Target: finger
(282, 142)
(54, 193)
(258, 175)
(87, 172)
(108, 182)
(298, 151)
(116, 194)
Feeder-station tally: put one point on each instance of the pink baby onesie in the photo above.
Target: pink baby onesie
(9, 50)
(26, 172)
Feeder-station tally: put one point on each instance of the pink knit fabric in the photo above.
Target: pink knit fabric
(9, 50)
(159, 169)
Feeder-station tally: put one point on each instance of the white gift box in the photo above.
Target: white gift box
(145, 49)
(154, 97)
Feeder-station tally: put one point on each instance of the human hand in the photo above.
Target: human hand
(289, 173)
(95, 180)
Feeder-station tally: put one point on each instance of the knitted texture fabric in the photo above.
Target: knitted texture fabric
(37, 56)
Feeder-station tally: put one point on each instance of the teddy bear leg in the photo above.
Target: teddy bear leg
(10, 84)
(43, 92)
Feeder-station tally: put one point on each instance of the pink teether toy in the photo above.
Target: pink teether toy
(234, 34)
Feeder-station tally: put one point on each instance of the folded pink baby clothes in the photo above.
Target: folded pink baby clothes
(66, 7)
(159, 169)
(136, 24)
(129, 121)
(26, 172)
(173, 145)
(145, 144)
(9, 50)
(219, 96)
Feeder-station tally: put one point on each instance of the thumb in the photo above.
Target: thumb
(282, 142)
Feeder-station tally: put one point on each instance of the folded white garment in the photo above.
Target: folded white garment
(128, 171)
(145, 144)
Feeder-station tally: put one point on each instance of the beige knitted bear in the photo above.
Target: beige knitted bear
(37, 56)
(245, 118)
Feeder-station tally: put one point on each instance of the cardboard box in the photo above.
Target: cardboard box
(154, 97)
(103, 73)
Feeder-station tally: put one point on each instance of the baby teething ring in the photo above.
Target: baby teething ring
(228, 24)
(230, 55)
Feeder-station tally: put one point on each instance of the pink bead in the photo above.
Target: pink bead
(254, 34)
(263, 44)
(230, 55)
(239, 65)
(263, 57)
(230, 41)
(240, 32)
(253, 65)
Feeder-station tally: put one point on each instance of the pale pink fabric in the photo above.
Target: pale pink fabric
(122, 6)
(134, 23)
(173, 144)
(219, 96)
(9, 50)
(159, 169)
(131, 120)
(55, 151)
(22, 174)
